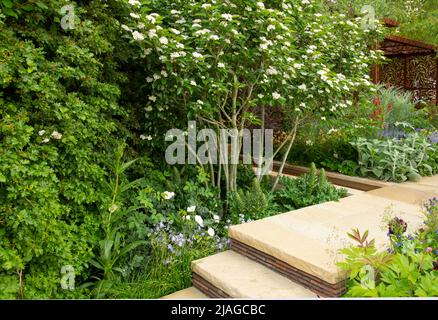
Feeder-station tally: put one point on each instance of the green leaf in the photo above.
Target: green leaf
(10, 12)
(42, 6)
(7, 3)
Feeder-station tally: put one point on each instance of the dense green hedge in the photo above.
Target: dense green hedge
(59, 102)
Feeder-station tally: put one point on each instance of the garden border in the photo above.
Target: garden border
(358, 183)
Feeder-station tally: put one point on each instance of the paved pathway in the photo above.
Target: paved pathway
(294, 255)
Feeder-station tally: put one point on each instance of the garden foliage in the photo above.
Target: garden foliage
(408, 269)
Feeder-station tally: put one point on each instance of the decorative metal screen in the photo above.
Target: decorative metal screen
(417, 74)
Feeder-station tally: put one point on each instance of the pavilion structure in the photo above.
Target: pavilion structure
(411, 65)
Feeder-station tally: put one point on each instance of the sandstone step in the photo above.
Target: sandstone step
(304, 244)
(229, 274)
(189, 293)
(410, 193)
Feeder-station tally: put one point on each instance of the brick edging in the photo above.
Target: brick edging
(207, 287)
(313, 283)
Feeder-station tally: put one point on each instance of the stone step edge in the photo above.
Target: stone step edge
(311, 282)
(207, 288)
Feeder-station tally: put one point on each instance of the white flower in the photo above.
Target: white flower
(323, 118)
(175, 12)
(332, 130)
(271, 71)
(149, 79)
(138, 36)
(221, 65)
(152, 33)
(271, 27)
(175, 31)
(305, 2)
(125, 27)
(164, 40)
(309, 142)
(298, 65)
(191, 209)
(168, 195)
(210, 232)
(197, 55)
(134, 3)
(260, 5)
(113, 208)
(216, 218)
(148, 108)
(227, 16)
(193, 83)
(303, 87)
(56, 135)
(200, 102)
(188, 217)
(143, 137)
(276, 95)
(214, 37)
(134, 15)
(41, 132)
(199, 220)
(164, 73)
(206, 5)
(46, 140)
(202, 31)
(151, 18)
(152, 98)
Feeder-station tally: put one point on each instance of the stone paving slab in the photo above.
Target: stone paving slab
(241, 277)
(186, 294)
(410, 193)
(309, 239)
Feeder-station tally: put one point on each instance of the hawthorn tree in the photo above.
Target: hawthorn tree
(216, 61)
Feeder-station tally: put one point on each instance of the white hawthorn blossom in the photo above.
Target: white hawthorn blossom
(191, 209)
(138, 36)
(167, 195)
(199, 220)
(134, 3)
(56, 135)
(276, 96)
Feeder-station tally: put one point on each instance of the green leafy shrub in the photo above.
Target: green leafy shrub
(409, 268)
(59, 112)
(396, 159)
(250, 204)
(306, 190)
